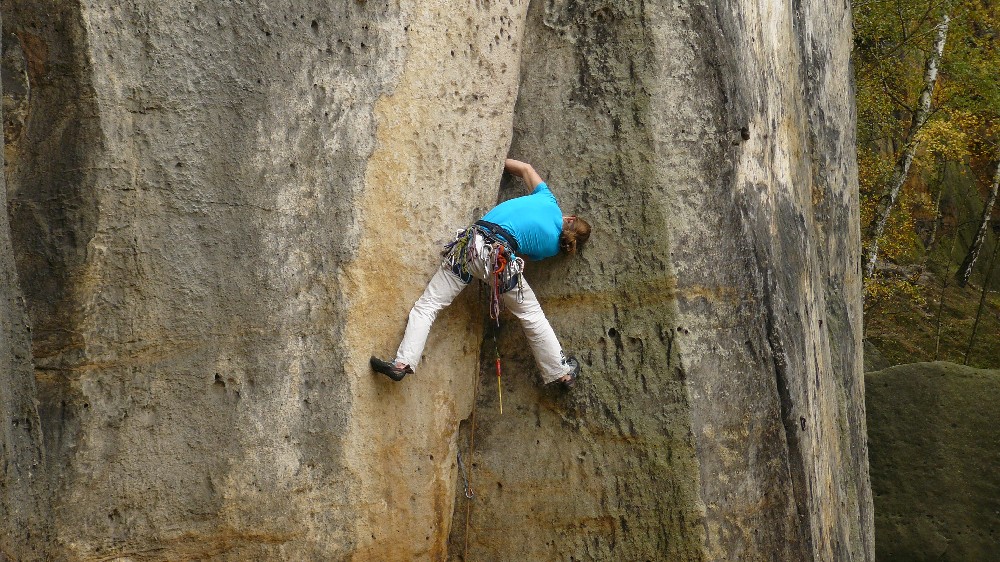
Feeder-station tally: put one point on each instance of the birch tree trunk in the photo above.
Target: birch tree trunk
(982, 302)
(965, 271)
(902, 169)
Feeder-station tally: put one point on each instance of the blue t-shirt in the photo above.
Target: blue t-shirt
(535, 221)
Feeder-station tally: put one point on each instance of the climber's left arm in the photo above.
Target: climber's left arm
(524, 171)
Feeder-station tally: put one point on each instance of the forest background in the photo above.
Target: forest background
(928, 92)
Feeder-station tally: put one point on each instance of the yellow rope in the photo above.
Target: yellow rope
(500, 394)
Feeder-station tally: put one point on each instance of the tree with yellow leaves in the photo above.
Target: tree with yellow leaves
(915, 61)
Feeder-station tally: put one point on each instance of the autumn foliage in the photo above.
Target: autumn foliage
(893, 40)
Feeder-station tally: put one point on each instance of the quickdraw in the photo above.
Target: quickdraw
(500, 263)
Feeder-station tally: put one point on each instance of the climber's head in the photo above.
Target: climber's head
(575, 232)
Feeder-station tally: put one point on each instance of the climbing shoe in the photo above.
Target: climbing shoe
(572, 363)
(389, 369)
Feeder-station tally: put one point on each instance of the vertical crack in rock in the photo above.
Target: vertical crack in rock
(441, 136)
(608, 470)
(24, 509)
(770, 293)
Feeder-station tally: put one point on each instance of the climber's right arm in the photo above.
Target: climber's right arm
(524, 171)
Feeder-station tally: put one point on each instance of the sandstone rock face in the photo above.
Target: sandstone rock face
(218, 210)
(21, 462)
(717, 309)
(933, 434)
(213, 205)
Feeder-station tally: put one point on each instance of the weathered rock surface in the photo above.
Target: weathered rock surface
(935, 446)
(218, 210)
(21, 463)
(718, 308)
(213, 204)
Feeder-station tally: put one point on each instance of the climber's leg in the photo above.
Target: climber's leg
(442, 289)
(544, 344)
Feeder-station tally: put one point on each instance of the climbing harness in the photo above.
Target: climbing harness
(502, 266)
(497, 231)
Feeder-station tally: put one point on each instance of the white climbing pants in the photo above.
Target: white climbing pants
(442, 290)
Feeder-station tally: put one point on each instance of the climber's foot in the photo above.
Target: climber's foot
(569, 379)
(394, 370)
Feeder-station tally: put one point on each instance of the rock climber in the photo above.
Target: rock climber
(493, 250)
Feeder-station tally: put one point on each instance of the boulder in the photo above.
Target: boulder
(934, 446)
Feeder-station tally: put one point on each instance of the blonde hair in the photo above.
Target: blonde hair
(573, 235)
